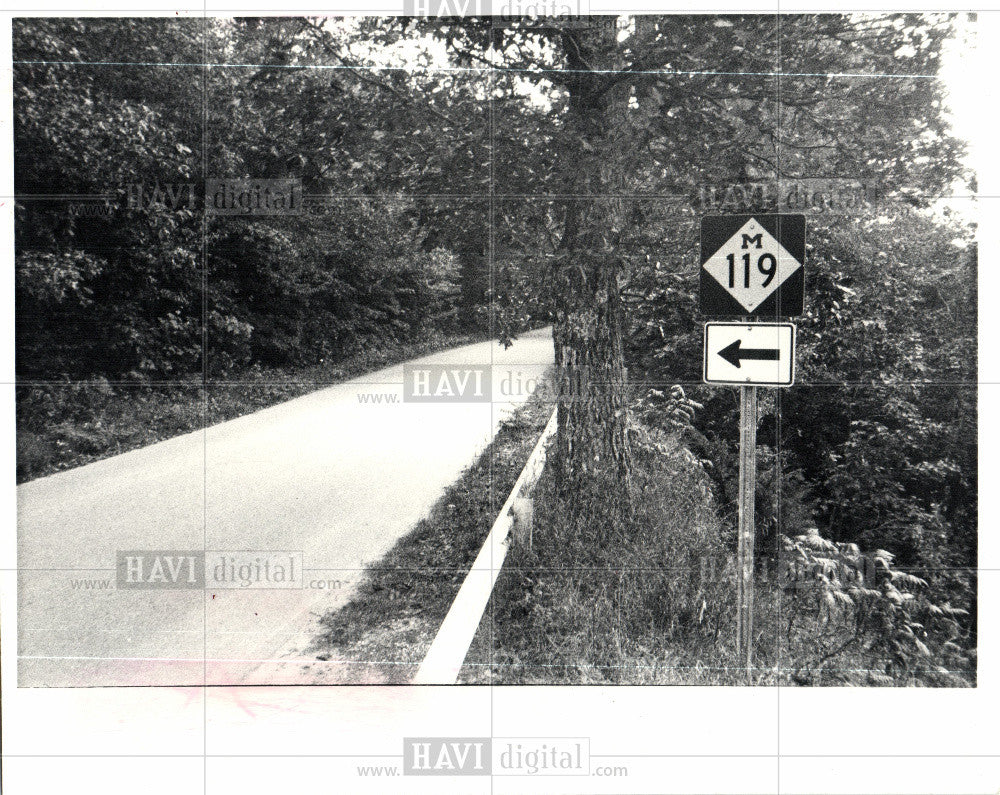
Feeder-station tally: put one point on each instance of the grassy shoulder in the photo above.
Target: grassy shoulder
(388, 625)
(653, 601)
(61, 425)
(648, 604)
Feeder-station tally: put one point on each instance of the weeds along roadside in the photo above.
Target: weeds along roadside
(655, 602)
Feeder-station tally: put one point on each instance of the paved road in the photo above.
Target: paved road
(332, 475)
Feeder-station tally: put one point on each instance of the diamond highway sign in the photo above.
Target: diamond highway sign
(752, 265)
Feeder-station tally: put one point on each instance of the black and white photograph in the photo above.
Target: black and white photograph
(402, 359)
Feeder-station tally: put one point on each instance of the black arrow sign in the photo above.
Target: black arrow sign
(733, 354)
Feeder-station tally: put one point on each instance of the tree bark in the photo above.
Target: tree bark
(592, 460)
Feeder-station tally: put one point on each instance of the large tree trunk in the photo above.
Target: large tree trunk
(592, 439)
(593, 460)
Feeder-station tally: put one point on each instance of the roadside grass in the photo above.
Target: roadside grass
(390, 622)
(69, 423)
(653, 609)
(653, 604)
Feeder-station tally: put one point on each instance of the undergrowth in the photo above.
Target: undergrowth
(655, 602)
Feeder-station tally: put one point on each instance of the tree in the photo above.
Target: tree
(584, 124)
(112, 294)
(673, 103)
(123, 107)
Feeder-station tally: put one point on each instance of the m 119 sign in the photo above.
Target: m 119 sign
(752, 265)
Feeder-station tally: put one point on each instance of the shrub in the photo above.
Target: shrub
(842, 604)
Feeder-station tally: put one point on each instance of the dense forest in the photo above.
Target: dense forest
(463, 179)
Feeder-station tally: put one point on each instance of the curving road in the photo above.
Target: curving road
(337, 475)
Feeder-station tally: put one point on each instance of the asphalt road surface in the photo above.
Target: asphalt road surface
(324, 483)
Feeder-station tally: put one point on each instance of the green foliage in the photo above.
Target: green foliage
(73, 422)
(129, 295)
(878, 443)
(67, 423)
(843, 605)
(889, 446)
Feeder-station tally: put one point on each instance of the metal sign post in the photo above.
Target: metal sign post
(744, 552)
(751, 266)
